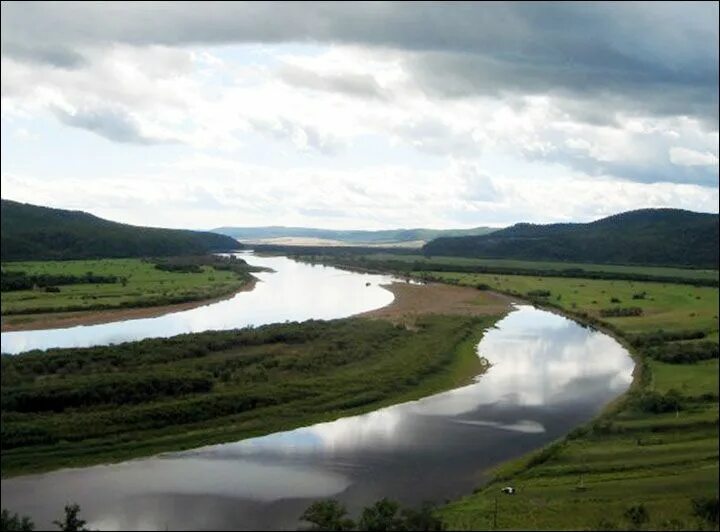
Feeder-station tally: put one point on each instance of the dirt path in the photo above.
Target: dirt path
(412, 300)
(61, 320)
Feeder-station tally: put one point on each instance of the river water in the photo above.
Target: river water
(548, 375)
(295, 291)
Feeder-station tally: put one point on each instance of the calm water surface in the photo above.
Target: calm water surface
(296, 291)
(549, 374)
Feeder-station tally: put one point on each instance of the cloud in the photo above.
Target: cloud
(476, 186)
(687, 157)
(113, 124)
(661, 57)
(236, 193)
(55, 56)
(391, 114)
(361, 85)
(302, 136)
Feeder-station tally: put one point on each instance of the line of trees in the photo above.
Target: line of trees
(12, 280)
(400, 266)
(70, 521)
(385, 514)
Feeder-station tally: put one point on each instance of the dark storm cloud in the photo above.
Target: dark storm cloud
(657, 58)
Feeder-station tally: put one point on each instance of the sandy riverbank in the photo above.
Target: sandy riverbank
(412, 300)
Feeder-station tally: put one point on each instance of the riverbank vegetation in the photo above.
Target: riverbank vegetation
(68, 407)
(70, 522)
(384, 514)
(30, 288)
(411, 264)
(655, 448)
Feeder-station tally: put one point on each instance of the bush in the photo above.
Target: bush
(637, 516)
(684, 353)
(383, 515)
(327, 515)
(658, 403)
(538, 293)
(15, 523)
(660, 336)
(616, 312)
(706, 508)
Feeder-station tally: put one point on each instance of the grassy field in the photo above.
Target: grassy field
(665, 306)
(144, 286)
(630, 455)
(72, 407)
(550, 266)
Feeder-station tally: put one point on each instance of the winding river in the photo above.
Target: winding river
(294, 291)
(548, 375)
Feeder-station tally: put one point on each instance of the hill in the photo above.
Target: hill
(30, 232)
(328, 237)
(668, 237)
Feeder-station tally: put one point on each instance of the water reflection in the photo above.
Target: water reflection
(295, 291)
(548, 375)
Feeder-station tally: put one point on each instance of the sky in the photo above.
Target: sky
(359, 115)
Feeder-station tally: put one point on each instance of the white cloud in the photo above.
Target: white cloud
(687, 157)
(348, 132)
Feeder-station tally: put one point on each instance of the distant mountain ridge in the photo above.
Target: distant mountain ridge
(671, 237)
(31, 232)
(418, 236)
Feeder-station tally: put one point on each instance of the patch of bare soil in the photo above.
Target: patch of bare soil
(412, 300)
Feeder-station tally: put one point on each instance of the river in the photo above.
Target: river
(548, 375)
(294, 291)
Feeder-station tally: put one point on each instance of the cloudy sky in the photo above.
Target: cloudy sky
(359, 115)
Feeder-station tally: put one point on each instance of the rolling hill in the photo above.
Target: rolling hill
(671, 237)
(30, 232)
(328, 237)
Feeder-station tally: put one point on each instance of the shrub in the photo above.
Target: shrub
(637, 516)
(15, 523)
(684, 353)
(617, 312)
(658, 403)
(706, 508)
(539, 293)
(327, 515)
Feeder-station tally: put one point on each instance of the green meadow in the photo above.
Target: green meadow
(664, 305)
(547, 265)
(140, 284)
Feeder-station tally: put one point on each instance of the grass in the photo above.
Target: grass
(76, 407)
(665, 306)
(698, 378)
(657, 271)
(145, 286)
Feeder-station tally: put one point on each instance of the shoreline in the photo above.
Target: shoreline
(65, 320)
